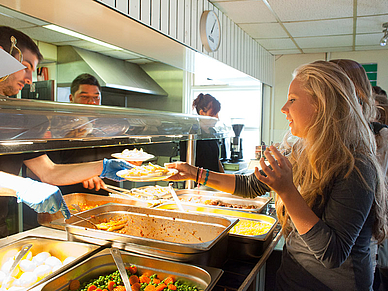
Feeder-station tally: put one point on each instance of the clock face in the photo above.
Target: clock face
(210, 31)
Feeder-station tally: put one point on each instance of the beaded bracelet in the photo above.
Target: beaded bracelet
(206, 177)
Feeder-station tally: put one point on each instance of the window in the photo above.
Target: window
(243, 103)
(371, 71)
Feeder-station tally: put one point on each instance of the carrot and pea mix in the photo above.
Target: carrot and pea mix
(144, 282)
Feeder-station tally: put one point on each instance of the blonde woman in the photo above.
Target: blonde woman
(331, 195)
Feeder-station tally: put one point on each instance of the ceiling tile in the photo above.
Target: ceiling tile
(264, 30)
(370, 47)
(368, 39)
(299, 10)
(327, 49)
(280, 43)
(320, 28)
(246, 11)
(324, 41)
(372, 7)
(284, 52)
(371, 24)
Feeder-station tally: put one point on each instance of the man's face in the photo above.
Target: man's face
(16, 81)
(86, 94)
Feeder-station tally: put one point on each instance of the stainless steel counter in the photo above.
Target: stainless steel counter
(255, 280)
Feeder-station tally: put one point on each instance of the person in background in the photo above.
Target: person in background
(372, 112)
(25, 50)
(379, 91)
(330, 189)
(85, 89)
(207, 151)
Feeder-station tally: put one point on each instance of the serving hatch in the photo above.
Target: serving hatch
(204, 278)
(178, 236)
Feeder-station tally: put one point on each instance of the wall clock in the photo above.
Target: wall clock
(210, 30)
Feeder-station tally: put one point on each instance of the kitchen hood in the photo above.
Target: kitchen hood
(110, 72)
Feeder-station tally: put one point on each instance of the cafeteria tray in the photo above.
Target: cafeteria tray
(241, 247)
(102, 263)
(205, 197)
(58, 248)
(88, 201)
(179, 236)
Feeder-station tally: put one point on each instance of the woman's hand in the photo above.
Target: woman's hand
(185, 171)
(94, 183)
(279, 178)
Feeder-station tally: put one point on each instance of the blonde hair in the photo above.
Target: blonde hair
(338, 135)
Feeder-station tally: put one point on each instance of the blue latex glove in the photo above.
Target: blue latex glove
(112, 166)
(39, 196)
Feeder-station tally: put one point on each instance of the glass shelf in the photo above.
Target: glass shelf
(32, 125)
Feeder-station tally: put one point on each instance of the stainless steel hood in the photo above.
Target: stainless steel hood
(110, 72)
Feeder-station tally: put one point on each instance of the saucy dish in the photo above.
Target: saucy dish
(215, 202)
(139, 282)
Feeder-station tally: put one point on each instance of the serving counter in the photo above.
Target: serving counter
(237, 275)
(35, 126)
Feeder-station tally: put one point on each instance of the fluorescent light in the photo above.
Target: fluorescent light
(81, 36)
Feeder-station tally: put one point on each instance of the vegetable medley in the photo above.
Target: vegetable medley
(144, 282)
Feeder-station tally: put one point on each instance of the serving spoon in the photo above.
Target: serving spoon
(120, 266)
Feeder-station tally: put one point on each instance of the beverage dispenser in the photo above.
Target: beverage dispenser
(236, 154)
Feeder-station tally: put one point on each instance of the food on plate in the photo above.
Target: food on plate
(250, 227)
(30, 269)
(146, 170)
(133, 155)
(215, 202)
(139, 282)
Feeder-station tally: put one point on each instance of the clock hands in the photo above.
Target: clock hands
(214, 24)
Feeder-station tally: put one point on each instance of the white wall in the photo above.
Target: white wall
(179, 19)
(285, 65)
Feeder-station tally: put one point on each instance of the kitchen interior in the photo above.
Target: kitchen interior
(149, 58)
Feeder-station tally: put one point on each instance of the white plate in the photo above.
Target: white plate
(142, 158)
(149, 178)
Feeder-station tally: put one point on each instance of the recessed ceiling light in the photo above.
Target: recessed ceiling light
(81, 36)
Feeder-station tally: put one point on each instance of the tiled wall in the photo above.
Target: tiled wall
(179, 19)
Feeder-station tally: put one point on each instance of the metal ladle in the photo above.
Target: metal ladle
(120, 266)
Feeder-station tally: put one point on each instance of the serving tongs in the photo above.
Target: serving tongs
(120, 266)
(21, 254)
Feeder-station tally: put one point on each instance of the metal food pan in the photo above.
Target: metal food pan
(58, 248)
(252, 205)
(102, 263)
(90, 200)
(179, 236)
(241, 247)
